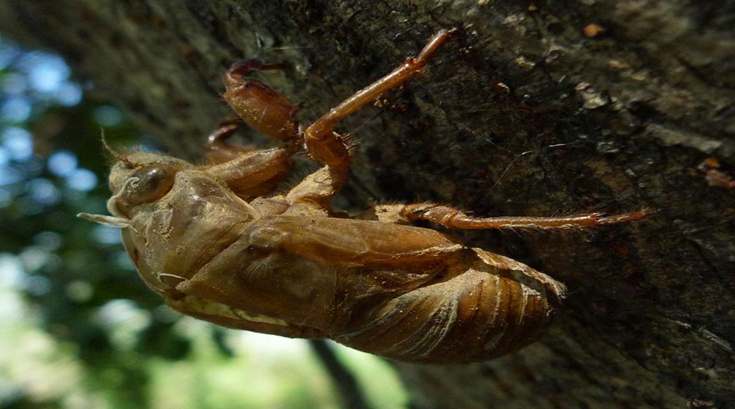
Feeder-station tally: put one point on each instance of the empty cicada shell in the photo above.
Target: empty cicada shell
(219, 243)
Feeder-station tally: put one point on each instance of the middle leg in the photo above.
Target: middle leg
(328, 147)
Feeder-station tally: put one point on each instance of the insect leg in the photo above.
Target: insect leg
(454, 218)
(249, 172)
(218, 150)
(258, 105)
(254, 173)
(326, 146)
(319, 188)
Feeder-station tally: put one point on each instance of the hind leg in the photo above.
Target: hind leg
(456, 219)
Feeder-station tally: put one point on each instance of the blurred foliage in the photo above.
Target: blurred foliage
(78, 328)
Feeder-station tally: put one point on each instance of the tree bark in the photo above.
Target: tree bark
(536, 108)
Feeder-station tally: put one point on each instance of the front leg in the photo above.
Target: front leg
(248, 172)
(218, 150)
(259, 106)
(254, 174)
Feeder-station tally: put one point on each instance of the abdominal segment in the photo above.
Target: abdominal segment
(484, 312)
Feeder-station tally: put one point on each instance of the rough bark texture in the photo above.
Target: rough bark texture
(525, 113)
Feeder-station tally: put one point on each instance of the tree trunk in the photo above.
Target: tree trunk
(535, 108)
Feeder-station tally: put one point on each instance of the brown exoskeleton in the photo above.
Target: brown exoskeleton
(220, 244)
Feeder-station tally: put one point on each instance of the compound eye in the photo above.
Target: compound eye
(148, 184)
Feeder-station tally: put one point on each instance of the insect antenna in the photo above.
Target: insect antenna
(106, 145)
(116, 156)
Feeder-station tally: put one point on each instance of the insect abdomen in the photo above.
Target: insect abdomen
(493, 307)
